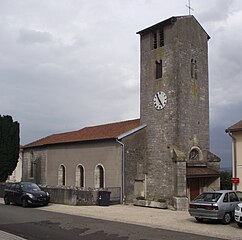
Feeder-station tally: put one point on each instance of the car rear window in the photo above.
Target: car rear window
(208, 197)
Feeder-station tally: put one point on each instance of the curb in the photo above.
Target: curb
(9, 236)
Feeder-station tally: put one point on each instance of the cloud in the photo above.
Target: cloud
(29, 36)
(217, 11)
(221, 145)
(225, 115)
(66, 64)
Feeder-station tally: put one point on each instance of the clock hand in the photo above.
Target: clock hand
(159, 100)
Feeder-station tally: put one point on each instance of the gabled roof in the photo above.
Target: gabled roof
(236, 127)
(169, 21)
(100, 132)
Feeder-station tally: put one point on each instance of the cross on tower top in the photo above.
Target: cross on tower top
(189, 7)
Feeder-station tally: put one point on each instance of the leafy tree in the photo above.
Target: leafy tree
(9, 146)
(225, 180)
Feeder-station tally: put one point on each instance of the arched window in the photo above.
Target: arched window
(195, 154)
(62, 175)
(99, 176)
(80, 176)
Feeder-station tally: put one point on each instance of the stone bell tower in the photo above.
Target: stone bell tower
(174, 104)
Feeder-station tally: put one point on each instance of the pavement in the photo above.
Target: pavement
(167, 219)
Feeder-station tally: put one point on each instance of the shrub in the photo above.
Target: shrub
(140, 198)
(161, 199)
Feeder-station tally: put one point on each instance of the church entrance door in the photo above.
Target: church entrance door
(194, 188)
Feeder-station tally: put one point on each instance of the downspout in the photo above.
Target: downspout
(122, 184)
(235, 156)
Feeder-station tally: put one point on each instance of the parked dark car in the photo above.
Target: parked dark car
(215, 205)
(26, 194)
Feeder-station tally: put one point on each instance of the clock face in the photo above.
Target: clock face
(160, 100)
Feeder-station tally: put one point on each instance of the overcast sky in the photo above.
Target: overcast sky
(67, 64)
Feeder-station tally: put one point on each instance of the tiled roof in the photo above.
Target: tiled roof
(236, 127)
(106, 131)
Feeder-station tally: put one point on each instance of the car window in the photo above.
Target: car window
(17, 187)
(208, 197)
(233, 197)
(7, 186)
(12, 187)
(30, 187)
(239, 194)
(226, 197)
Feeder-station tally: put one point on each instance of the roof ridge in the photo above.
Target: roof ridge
(112, 123)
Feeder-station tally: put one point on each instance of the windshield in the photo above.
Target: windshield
(30, 187)
(208, 197)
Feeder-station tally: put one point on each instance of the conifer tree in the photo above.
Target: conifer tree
(9, 146)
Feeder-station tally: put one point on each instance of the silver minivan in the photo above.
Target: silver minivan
(215, 205)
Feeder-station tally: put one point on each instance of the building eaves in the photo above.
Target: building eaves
(168, 21)
(126, 134)
(202, 172)
(235, 128)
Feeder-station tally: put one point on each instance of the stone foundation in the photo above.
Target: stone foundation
(180, 203)
(152, 204)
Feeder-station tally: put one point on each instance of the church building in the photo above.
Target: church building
(165, 153)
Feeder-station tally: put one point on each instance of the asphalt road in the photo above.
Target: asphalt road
(33, 224)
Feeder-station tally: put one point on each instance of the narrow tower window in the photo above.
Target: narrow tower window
(161, 38)
(158, 69)
(193, 68)
(155, 40)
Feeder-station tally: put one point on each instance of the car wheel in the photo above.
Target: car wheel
(6, 200)
(24, 202)
(226, 218)
(200, 220)
(239, 224)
